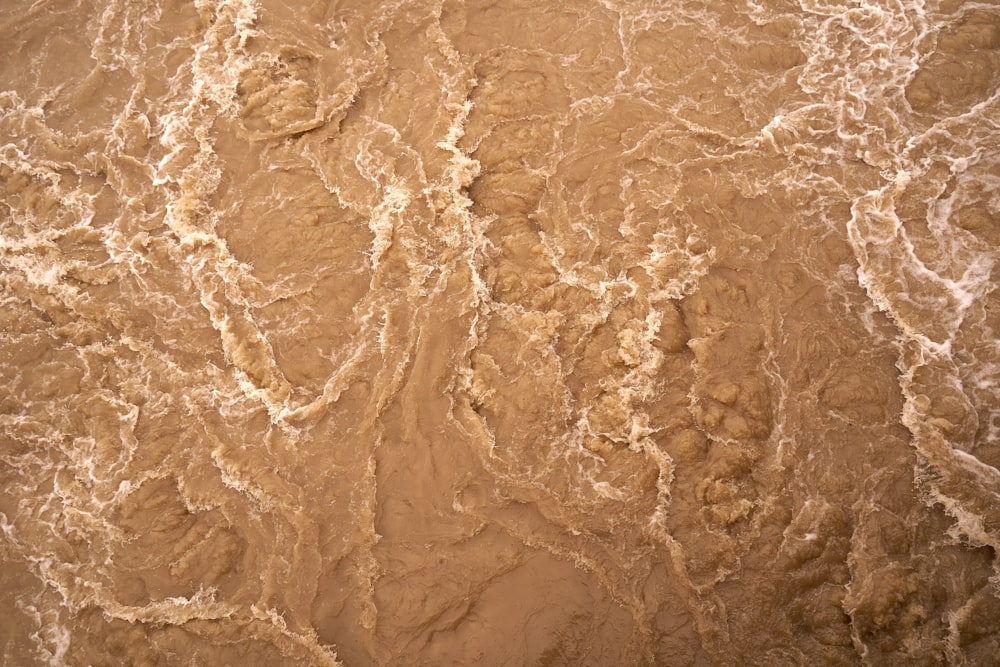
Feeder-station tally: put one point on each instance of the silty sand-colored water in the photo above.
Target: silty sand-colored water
(503, 333)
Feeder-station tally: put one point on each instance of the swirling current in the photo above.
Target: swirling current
(500, 332)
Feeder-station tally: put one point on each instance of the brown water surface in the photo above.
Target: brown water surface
(591, 332)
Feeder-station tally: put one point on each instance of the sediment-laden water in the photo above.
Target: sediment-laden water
(500, 333)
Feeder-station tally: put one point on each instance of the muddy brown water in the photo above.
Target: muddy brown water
(500, 333)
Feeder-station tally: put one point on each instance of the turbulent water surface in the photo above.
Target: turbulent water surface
(500, 332)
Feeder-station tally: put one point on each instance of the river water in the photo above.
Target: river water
(595, 332)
